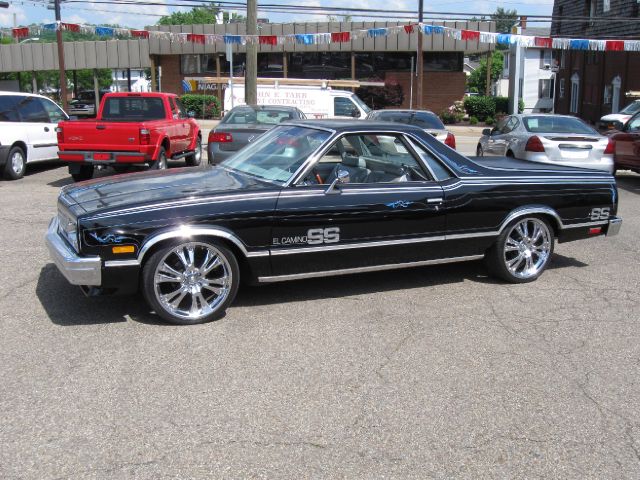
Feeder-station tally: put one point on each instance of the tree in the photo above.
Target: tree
(202, 15)
(505, 19)
(478, 78)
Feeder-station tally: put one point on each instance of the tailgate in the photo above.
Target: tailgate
(100, 136)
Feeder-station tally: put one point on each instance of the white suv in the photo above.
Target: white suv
(27, 131)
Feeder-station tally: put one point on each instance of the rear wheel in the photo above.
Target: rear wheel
(523, 250)
(510, 154)
(189, 282)
(16, 164)
(195, 158)
(85, 173)
(161, 160)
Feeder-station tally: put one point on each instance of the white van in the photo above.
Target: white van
(313, 101)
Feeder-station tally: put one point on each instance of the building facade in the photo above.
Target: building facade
(591, 84)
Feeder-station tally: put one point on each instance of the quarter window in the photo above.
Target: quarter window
(55, 113)
(9, 108)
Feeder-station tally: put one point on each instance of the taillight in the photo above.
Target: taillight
(534, 144)
(611, 147)
(215, 137)
(451, 140)
(145, 136)
(60, 135)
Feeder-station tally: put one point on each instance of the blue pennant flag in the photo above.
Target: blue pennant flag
(579, 44)
(49, 26)
(377, 32)
(233, 39)
(104, 31)
(504, 39)
(433, 29)
(305, 39)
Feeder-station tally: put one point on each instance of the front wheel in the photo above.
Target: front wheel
(479, 151)
(523, 250)
(191, 282)
(195, 158)
(16, 164)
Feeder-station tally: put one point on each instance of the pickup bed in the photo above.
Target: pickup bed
(131, 129)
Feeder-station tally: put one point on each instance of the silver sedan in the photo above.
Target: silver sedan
(556, 139)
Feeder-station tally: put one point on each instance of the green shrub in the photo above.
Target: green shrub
(521, 106)
(502, 104)
(473, 120)
(480, 107)
(203, 106)
(448, 118)
(489, 121)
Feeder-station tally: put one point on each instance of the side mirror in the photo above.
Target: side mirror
(342, 176)
(487, 132)
(191, 114)
(618, 125)
(355, 113)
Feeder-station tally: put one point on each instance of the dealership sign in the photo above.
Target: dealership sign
(195, 84)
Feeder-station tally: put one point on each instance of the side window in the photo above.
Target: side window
(501, 126)
(437, 168)
(55, 113)
(31, 110)
(181, 111)
(634, 124)
(8, 108)
(174, 110)
(344, 107)
(368, 158)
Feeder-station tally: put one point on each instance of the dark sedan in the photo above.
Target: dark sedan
(424, 119)
(242, 125)
(319, 198)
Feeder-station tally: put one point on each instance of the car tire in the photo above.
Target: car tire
(85, 173)
(160, 162)
(122, 168)
(522, 251)
(187, 282)
(195, 159)
(16, 164)
(510, 154)
(479, 151)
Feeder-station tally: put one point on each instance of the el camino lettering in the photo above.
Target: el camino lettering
(314, 236)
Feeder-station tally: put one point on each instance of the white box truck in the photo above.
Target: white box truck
(313, 101)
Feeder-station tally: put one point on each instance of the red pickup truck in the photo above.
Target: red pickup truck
(143, 129)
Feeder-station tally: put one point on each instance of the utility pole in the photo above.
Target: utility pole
(63, 76)
(251, 75)
(419, 59)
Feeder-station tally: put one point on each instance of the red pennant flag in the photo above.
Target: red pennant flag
(544, 42)
(140, 33)
(408, 28)
(71, 27)
(20, 32)
(614, 46)
(339, 37)
(470, 35)
(268, 40)
(195, 38)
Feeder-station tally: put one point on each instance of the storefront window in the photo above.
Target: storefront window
(270, 65)
(326, 65)
(443, 62)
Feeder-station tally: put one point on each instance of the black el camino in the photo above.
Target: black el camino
(319, 198)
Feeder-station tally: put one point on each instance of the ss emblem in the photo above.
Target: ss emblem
(323, 235)
(600, 213)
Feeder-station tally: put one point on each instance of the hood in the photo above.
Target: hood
(136, 189)
(616, 117)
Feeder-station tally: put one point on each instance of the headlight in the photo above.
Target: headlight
(68, 228)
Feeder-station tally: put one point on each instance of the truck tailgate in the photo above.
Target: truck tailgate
(100, 136)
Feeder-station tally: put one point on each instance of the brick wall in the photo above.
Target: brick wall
(171, 76)
(588, 29)
(440, 89)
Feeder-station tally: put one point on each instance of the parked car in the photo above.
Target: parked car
(244, 124)
(608, 121)
(131, 129)
(319, 198)
(27, 131)
(627, 144)
(551, 139)
(424, 119)
(84, 105)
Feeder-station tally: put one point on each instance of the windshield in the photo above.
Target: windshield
(551, 124)
(276, 155)
(243, 116)
(361, 104)
(631, 108)
(127, 109)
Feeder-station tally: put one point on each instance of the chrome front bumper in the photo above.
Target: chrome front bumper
(614, 226)
(77, 270)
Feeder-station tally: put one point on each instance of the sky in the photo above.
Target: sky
(34, 11)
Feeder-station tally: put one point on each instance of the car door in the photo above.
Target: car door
(501, 139)
(56, 115)
(388, 211)
(41, 133)
(496, 132)
(628, 144)
(187, 126)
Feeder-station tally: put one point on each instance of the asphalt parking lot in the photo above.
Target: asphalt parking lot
(436, 372)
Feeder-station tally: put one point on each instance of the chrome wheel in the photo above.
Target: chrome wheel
(198, 153)
(17, 162)
(527, 248)
(192, 280)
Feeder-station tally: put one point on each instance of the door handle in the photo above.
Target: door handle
(434, 200)
(46, 129)
(101, 127)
